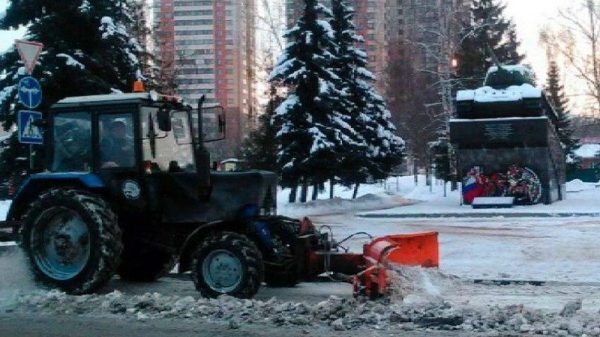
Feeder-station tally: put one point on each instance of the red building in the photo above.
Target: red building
(207, 48)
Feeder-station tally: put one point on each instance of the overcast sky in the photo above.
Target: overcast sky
(529, 16)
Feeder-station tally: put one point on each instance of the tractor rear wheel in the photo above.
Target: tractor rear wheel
(72, 240)
(140, 263)
(227, 263)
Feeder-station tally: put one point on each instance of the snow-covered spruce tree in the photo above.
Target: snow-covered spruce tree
(488, 28)
(314, 129)
(556, 95)
(260, 149)
(366, 111)
(87, 50)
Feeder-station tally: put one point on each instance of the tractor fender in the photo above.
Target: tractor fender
(35, 184)
(199, 234)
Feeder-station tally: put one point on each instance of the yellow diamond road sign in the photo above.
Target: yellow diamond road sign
(29, 52)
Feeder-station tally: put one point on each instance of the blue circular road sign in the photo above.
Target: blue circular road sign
(30, 92)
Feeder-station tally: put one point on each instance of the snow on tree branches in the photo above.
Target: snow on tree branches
(314, 127)
(367, 111)
(87, 51)
(334, 126)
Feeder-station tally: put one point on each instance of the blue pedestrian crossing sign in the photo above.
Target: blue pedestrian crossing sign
(29, 133)
(30, 92)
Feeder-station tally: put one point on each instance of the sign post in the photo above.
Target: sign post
(30, 96)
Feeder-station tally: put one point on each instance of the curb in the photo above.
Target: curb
(475, 215)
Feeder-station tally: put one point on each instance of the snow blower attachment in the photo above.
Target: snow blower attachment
(320, 254)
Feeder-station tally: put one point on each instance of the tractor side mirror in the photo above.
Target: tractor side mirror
(216, 121)
(222, 122)
(163, 118)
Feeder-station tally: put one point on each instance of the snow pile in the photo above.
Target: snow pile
(337, 313)
(578, 185)
(340, 205)
(587, 151)
(369, 197)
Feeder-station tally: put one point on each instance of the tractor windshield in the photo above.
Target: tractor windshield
(116, 140)
(167, 151)
(72, 137)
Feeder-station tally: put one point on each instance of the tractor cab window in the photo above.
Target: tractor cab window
(72, 135)
(167, 151)
(116, 141)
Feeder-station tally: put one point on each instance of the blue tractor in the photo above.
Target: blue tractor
(128, 190)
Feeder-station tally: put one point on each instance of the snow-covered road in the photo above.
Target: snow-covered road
(546, 249)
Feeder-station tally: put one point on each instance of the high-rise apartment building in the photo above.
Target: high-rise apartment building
(369, 19)
(420, 23)
(208, 47)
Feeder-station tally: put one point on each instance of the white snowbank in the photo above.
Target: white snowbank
(432, 202)
(588, 151)
(369, 197)
(578, 186)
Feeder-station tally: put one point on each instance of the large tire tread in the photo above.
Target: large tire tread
(105, 257)
(251, 262)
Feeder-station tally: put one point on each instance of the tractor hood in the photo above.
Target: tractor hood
(231, 194)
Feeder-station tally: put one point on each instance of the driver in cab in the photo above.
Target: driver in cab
(117, 147)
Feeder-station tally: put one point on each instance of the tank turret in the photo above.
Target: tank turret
(507, 91)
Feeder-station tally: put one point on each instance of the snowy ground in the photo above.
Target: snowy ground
(560, 252)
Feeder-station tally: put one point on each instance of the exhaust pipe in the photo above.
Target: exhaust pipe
(202, 157)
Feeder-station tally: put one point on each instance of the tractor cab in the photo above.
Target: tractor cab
(122, 133)
(148, 152)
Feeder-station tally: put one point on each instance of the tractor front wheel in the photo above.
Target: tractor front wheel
(227, 263)
(72, 240)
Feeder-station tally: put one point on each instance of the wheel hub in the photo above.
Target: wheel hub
(222, 271)
(61, 248)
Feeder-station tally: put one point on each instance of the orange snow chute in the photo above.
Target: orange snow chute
(419, 249)
(382, 254)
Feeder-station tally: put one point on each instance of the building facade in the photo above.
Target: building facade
(370, 24)
(422, 22)
(207, 47)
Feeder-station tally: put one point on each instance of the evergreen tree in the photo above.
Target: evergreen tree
(87, 50)
(556, 95)
(488, 28)
(260, 149)
(314, 130)
(380, 148)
